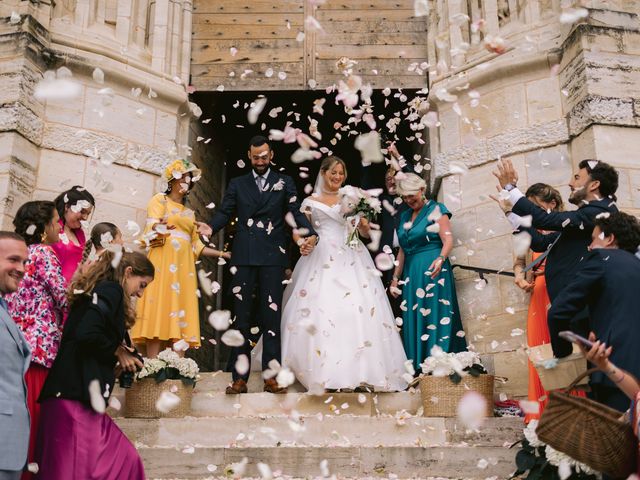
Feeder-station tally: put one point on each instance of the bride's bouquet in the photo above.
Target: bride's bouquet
(356, 204)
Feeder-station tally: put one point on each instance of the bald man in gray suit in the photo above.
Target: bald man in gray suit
(14, 361)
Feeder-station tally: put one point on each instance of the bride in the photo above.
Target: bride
(338, 328)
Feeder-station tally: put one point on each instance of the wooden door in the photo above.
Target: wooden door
(247, 45)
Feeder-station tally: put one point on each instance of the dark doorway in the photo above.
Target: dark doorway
(224, 121)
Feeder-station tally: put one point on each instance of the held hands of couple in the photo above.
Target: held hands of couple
(307, 245)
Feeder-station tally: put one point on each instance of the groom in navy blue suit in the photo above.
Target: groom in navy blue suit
(260, 200)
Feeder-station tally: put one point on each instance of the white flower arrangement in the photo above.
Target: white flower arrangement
(454, 365)
(356, 203)
(170, 366)
(542, 461)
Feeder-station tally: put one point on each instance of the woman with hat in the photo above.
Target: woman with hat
(168, 310)
(423, 275)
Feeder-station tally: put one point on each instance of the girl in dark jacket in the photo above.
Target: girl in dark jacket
(76, 438)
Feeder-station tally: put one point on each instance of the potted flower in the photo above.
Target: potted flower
(446, 377)
(163, 388)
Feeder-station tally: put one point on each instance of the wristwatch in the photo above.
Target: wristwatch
(509, 186)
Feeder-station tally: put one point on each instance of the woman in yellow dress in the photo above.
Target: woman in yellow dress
(168, 311)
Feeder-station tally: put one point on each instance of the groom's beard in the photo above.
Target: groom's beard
(260, 170)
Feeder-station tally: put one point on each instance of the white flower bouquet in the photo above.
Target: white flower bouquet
(538, 460)
(452, 365)
(170, 366)
(355, 204)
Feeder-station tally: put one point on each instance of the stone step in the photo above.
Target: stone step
(381, 462)
(354, 446)
(209, 400)
(326, 430)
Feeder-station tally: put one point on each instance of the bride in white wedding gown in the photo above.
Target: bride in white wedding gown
(338, 329)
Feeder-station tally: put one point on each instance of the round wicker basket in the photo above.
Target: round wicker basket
(440, 396)
(141, 398)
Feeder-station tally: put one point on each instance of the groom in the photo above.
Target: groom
(260, 200)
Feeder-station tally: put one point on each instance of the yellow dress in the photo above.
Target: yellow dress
(168, 309)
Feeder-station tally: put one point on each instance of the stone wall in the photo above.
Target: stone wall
(558, 94)
(117, 134)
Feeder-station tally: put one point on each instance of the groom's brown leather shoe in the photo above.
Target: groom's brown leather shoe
(238, 386)
(271, 386)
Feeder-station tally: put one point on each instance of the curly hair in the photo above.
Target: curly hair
(31, 220)
(546, 193)
(605, 174)
(72, 197)
(111, 268)
(624, 227)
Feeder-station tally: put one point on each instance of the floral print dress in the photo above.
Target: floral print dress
(39, 307)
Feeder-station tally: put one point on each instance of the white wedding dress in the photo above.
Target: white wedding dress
(338, 329)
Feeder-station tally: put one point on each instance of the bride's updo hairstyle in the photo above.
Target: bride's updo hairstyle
(410, 184)
(329, 162)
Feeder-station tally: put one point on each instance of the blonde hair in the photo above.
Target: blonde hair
(329, 162)
(104, 270)
(410, 184)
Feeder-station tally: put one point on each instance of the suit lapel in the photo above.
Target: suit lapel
(252, 188)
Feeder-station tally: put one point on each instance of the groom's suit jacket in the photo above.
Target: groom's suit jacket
(14, 416)
(260, 237)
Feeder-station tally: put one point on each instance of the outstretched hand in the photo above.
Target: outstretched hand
(506, 174)
(204, 229)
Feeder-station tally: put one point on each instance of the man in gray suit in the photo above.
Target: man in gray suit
(14, 361)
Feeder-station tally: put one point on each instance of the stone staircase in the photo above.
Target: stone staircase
(298, 435)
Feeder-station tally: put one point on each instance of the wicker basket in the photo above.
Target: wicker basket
(141, 398)
(440, 396)
(565, 370)
(589, 432)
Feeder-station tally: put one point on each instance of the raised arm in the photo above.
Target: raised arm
(582, 218)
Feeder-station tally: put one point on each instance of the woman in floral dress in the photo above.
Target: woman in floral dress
(40, 305)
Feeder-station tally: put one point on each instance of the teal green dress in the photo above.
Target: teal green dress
(430, 307)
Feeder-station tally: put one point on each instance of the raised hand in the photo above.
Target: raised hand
(506, 174)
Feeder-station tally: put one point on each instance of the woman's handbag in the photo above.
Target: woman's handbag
(589, 432)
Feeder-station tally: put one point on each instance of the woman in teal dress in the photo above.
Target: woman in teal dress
(423, 275)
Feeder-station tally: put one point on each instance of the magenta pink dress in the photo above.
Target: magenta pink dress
(70, 255)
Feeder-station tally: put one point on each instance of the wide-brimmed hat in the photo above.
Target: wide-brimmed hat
(178, 168)
(409, 183)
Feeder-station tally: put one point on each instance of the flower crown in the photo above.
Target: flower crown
(178, 168)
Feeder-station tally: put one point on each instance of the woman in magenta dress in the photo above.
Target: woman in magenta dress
(74, 207)
(77, 439)
(40, 304)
